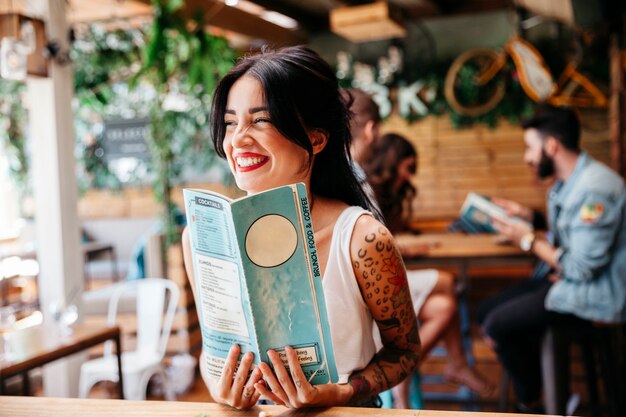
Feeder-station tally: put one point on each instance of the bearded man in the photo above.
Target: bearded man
(581, 277)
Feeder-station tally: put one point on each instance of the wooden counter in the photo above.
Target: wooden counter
(66, 407)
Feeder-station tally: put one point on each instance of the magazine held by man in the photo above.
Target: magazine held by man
(257, 277)
(477, 213)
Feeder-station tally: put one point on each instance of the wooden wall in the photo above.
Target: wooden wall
(132, 202)
(453, 162)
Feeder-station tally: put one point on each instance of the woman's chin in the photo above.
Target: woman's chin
(252, 188)
(255, 187)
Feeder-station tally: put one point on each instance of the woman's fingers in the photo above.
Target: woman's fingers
(278, 380)
(283, 375)
(226, 379)
(290, 386)
(255, 397)
(305, 391)
(262, 389)
(297, 376)
(241, 377)
(236, 384)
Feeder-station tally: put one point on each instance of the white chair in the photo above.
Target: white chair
(155, 314)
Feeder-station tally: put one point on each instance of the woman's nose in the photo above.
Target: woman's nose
(241, 137)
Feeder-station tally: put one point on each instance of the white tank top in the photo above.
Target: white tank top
(351, 322)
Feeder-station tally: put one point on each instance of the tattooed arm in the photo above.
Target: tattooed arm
(381, 276)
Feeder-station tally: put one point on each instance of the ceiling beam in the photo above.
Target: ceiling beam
(309, 21)
(217, 14)
(457, 7)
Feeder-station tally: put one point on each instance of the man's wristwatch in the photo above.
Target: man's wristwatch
(526, 243)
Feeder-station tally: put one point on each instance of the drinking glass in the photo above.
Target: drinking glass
(7, 319)
(63, 316)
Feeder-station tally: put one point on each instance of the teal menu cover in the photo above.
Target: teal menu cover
(257, 278)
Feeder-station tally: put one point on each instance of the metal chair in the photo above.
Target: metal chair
(156, 300)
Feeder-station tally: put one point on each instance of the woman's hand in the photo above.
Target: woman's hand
(292, 389)
(237, 389)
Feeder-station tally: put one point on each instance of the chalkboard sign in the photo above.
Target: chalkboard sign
(126, 138)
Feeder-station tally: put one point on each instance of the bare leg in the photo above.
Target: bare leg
(435, 317)
(458, 370)
(439, 320)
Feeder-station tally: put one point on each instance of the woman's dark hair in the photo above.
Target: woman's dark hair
(302, 95)
(382, 172)
(559, 122)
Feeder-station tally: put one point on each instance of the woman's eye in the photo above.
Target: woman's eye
(262, 120)
(230, 123)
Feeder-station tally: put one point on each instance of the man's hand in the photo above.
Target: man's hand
(514, 209)
(514, 231)
(553, 278)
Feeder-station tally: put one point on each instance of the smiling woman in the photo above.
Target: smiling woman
(278, 118)
(260, 167)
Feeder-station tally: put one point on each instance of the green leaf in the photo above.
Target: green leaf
(174, 5)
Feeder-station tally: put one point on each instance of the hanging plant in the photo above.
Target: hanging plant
(384, 85)
(103, 61)
(178, 63)
(164, 72)
(13, 121)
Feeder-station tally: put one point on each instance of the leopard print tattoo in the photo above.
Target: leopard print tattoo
(383, 282)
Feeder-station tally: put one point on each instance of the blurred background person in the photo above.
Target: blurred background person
(392, 165)
(581, 278)
(365, 129)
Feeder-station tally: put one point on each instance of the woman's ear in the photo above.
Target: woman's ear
(319, 139)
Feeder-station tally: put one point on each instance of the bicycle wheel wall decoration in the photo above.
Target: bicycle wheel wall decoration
(467, 89)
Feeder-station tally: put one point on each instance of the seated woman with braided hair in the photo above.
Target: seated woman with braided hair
(389, 171)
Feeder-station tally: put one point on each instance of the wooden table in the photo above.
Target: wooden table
(67, 407)
(462, 251)
(43, 344)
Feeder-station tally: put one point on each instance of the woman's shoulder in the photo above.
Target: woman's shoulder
(369, 229)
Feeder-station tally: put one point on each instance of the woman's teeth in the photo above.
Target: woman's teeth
(249, 161)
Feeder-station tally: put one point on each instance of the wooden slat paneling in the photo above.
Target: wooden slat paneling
(453, 162)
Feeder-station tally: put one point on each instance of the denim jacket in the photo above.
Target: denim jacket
(586, 214)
